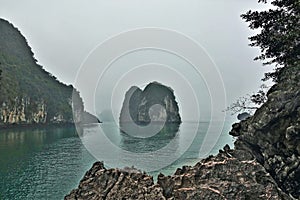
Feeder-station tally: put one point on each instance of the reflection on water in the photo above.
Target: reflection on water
(17, 143)
(156, 142)
(117, 149)
(173, 146)
(46, 163)
(43, 163)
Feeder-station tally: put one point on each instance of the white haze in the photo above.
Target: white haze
(62, 33)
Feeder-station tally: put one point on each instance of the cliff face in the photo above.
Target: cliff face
(273, 133)
(137, 105)
(28, 93)
(264, 164)
(20, 112)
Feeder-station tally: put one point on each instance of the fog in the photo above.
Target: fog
(63, 34)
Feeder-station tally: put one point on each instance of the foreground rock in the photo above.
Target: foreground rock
(229, 175)
(101, 183)
(273, 133)
(264, 164)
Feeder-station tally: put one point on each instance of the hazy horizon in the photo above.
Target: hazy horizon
(62, 34)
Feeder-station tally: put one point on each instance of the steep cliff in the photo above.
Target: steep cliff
(273, 133)
(139, 106)
(28, 93)
(264, 164)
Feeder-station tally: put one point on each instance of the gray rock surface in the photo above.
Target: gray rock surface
(273, 133)
(100, 183)
(229, 175)
(232, 174)
(138, 103)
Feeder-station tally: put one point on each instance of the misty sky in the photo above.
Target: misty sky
(62, 33)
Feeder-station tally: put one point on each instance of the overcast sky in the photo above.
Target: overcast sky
(63, 32)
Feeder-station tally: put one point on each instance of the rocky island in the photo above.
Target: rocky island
(156, 104)
(137, 104)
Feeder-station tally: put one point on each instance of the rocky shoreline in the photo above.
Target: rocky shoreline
(229, 175)
(264, 164)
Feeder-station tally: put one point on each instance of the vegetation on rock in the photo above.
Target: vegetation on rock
(279, 38)
(28, 93)
(279, 41)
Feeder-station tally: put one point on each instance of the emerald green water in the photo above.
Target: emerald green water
(41, 163)
(47, 163)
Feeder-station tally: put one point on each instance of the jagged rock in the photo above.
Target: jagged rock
(100, 183)
(223, 176)
(273, 133)
(138, 103)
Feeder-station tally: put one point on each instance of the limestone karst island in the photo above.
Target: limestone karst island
(139, 106)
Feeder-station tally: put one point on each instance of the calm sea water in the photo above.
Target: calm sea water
(46, 163)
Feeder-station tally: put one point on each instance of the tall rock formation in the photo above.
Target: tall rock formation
(139, 105)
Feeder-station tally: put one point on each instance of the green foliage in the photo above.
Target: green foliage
(22, 77)
(279, 37)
